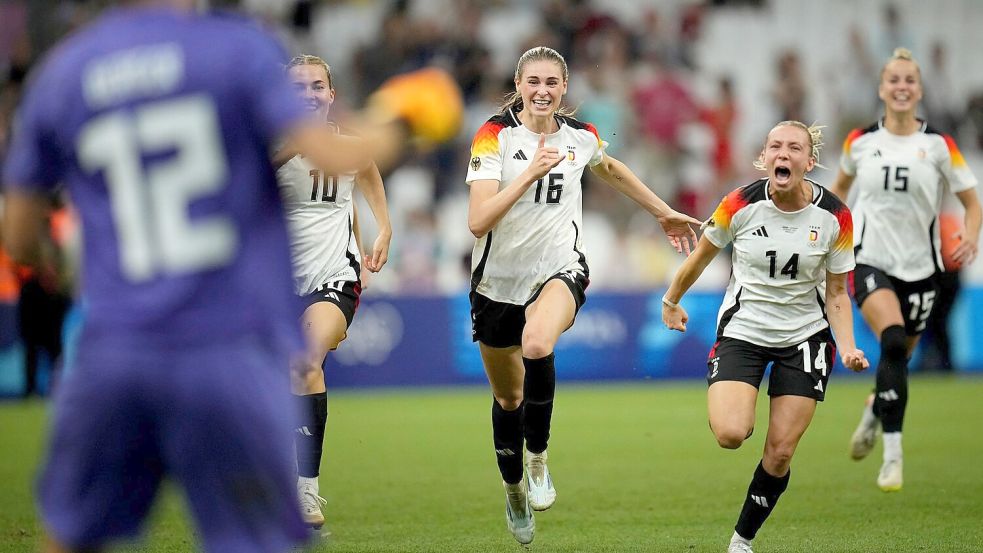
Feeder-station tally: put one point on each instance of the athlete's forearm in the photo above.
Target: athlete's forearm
(370, 183)
(974, 213)
(622, 179)
(839, 312)
(485, 212)
(691, 269)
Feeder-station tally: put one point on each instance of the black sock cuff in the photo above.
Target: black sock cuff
(313, 408)
(772, 485)
(540, 363)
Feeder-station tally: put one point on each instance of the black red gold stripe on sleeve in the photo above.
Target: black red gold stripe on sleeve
(854, 134)
(845, 239)
(731, 204)
(486, 139)
(957, 157)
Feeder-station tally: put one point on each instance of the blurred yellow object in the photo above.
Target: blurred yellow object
(427, 100)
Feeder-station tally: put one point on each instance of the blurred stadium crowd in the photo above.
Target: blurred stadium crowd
(681, 89)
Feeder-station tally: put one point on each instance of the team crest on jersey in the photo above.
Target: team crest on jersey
(571, 155)
(921, 153)
(475, 163)
(813, 236)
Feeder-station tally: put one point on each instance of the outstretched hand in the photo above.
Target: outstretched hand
(854, 360)
(677, 227)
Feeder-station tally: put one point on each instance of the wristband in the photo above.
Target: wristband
(667, 303)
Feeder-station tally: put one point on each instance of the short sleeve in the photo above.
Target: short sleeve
(486, 153)
(848, 163)
(841, 258)
(35, 160)
(601, 145)
(276, 108)
(954, 168)
(720, 229)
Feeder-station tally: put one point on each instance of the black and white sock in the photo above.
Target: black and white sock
(762, 495)
(309, 434)
(507, 432)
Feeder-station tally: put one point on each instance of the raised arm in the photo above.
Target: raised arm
(369, 181)
(840, 317)
(676, 225)
(673, 314)
(488, 204)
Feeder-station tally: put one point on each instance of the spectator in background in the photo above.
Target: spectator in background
(893, 33)
(44, 300)
(662, 103)
(789, 90)
(855, 76)
(720, 118)
(941, 106)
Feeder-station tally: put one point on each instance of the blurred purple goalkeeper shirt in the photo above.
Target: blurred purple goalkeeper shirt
(165, 156)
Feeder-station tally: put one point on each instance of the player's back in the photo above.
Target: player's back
(160, 123)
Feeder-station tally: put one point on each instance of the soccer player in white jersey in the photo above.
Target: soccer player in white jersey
(529, 271)
(792, 249)
(327, 267)
(902, 167)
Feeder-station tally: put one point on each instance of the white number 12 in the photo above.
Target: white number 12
(150, 207)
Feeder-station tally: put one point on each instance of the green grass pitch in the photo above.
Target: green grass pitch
(635, 467)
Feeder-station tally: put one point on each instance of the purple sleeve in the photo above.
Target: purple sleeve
(275, 106)
(34, 161)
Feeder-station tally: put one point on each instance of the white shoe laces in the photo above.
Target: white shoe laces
(310, 501)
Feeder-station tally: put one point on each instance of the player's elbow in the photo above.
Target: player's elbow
(477, 228)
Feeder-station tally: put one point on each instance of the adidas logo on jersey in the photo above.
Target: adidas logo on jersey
(520, 156)
(761, 231)
(877, 153)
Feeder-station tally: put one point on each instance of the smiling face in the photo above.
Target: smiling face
(541, 86)
(313, 86)
(787, 156)
(901, 86)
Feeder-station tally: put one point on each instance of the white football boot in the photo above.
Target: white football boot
(518, 514)
(541, 491)
(865, 436)
(310, 504)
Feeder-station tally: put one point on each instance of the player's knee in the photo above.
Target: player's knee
(894, 343)
(778, 457)
(731, 437)
(536, 345)
(510, 402)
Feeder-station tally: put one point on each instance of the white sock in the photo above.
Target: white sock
(305, 481)
(892, 446)
(737, 538)
(868, 418)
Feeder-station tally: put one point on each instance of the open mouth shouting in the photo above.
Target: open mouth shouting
(783, 174)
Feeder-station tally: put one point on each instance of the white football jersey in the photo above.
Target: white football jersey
(901, 181)
(542, 234)
(319, 216)
(777, 291)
